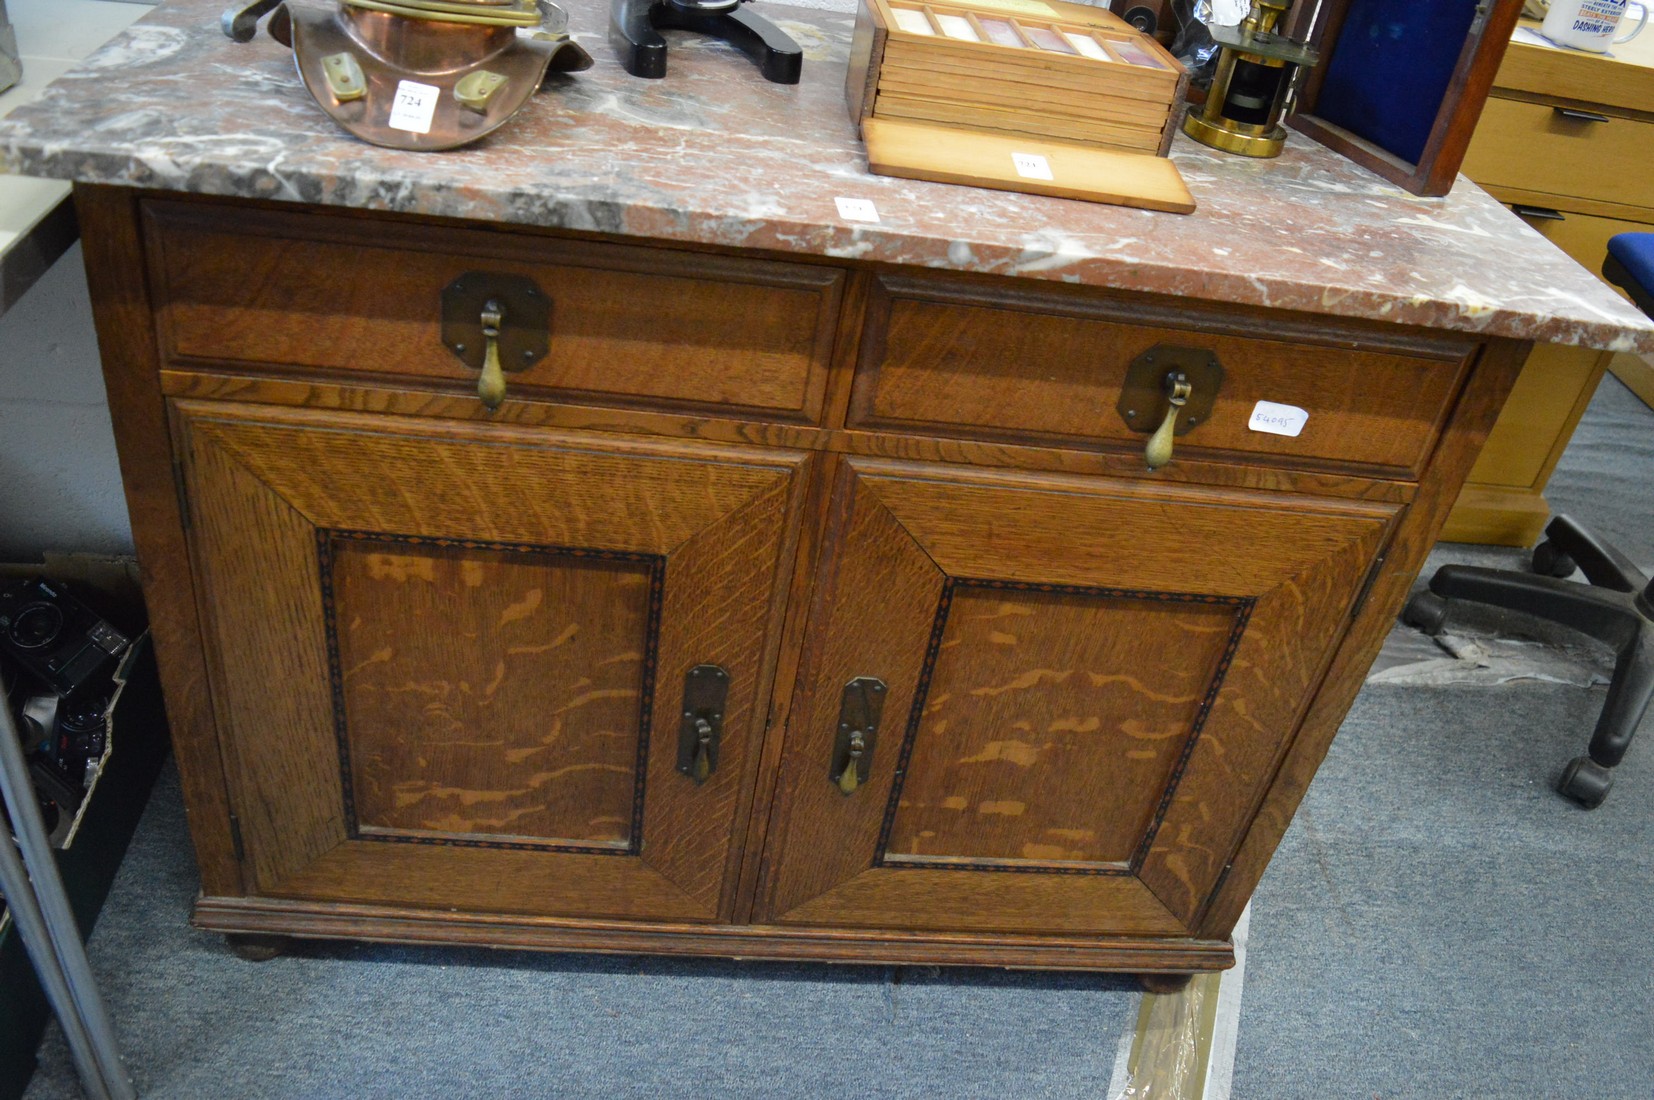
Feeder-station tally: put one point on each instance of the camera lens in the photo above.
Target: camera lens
(36, 625)
(83, 715)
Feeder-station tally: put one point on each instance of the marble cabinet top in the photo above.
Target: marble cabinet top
(714, 155)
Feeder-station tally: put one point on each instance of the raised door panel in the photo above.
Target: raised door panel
(448, 663)
(1088, 689)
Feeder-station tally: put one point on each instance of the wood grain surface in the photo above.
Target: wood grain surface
(261, 608)
(124, 318)
(1052, 724)
(1472, 418)
(333, 294)
(491, 692)
(507, 712)
(1535, 147)
(925, 140)
(1266, 472)
(1221, 608)
(1107, 688)
(403, 924)
(997, 370)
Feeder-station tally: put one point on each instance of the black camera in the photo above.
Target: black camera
(58, 657)
(56, 638)
(65, 739)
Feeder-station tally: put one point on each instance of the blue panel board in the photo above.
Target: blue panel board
(1389, 71)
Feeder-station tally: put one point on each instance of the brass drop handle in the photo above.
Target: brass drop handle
(491, 382)
(702, 767)
(1159, 450)
(850, 778)
(496, 323)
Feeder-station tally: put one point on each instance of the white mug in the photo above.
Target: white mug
(1589, 24)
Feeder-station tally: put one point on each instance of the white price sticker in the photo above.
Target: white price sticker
(1276, 419)
(1032, 166)
(857, 210)
(414, 106)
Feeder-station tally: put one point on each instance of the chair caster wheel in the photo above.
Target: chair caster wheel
(1585, 782)
(256, 948)
(1548, 561)
(1158, 982)
(1427, 611)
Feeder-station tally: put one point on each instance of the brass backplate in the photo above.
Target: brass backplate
(858, 723)
(1143, 396)
(705, 689)
(525, 318)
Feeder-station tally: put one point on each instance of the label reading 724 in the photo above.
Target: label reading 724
(414, 106)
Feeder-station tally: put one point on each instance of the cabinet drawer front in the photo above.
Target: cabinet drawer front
(1533, 147)
(1087, 690)
(1024, 367)
(635, 325)
(459, 682)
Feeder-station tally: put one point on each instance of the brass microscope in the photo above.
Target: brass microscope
(1257, 68)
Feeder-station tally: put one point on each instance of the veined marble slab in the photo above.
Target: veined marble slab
(713, 154)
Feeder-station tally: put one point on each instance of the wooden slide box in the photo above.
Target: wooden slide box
(1038, 96)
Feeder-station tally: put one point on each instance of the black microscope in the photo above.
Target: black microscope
(635, 26)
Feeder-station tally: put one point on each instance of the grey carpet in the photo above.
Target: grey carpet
(1438, 923)
(1606, 476)
(363, 1021)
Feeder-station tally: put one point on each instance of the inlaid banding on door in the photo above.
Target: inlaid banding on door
(491, 694)
(1052, 723)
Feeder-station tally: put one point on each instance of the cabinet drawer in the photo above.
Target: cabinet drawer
(352, 298)
(952, 359)
(1534, 147)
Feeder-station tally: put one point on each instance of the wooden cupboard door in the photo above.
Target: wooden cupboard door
(449, 662)
(1088, 689)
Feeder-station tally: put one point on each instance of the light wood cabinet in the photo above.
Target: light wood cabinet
(1567, 139)
(586, 670)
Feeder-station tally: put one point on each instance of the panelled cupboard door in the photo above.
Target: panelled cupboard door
(449, 662)
(1087, 689)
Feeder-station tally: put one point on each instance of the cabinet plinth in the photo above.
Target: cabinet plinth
(438, 672)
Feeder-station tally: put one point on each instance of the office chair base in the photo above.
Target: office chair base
(1616, 607)
(1426, 611)
(1585, 781)
(1550, 560)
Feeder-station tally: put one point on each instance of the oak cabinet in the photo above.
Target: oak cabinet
(783, 608)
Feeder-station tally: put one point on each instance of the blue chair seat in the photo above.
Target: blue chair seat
(1630, 265)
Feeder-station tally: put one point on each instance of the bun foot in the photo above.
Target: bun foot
(1164, 983)
(257, 948)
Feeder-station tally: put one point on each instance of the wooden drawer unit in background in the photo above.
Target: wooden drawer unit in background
(1551, 148)
(1567, 139)
(896, 651)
